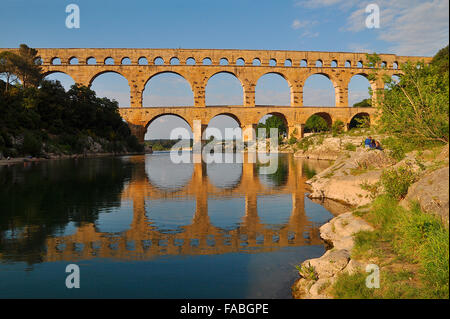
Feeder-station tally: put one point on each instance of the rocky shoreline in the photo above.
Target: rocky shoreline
(353, 179)
(320, 273)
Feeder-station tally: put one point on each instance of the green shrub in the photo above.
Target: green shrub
(305, 143)
(31, 145)
(292, 140)
(397, 181)
(337, 128)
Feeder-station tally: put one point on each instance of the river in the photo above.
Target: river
(144, 227)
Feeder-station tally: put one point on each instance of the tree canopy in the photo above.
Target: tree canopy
(416, 109)
(316, 123)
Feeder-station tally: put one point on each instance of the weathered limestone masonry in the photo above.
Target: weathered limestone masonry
(247, 65)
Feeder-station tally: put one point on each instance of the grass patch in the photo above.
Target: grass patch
(350, 147)
(411, 248)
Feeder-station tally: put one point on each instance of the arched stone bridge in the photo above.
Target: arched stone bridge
(197, 66)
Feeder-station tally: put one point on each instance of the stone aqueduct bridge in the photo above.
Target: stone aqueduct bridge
(294, 66)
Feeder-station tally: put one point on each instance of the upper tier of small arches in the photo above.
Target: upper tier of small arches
(74, 60)
(234, 58)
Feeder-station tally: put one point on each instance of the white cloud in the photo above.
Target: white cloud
(410, 27)
(310, 34)
(297, 24)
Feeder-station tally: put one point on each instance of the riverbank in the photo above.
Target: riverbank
(399, 224)
(19, 160)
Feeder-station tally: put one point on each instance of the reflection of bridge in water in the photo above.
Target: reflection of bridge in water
(143, 240)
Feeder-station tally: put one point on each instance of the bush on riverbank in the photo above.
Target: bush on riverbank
(415, 111)
(41, 117)
(410, 247)
(50, 120)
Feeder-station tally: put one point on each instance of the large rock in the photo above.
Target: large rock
(343, 181)
(432, 193)
(328, 148)
(340, 230)
(332, 262)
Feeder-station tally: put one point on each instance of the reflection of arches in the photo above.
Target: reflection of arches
(167, 88)
(166, 175)
(279, 177)
(112, 85)
(224, 88)
(224, 175)
(358, 88)
(319, 90)
(272, 89)
(359, 120)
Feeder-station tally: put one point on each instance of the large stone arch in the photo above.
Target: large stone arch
(352, 122)
(177, 72)
(158, 73)
(49, 73)
(372, 83)
(92, 77)
(334, 82)
(224, 71)
(282, 75)
(226, 113)
(152, 119)
(323, 114)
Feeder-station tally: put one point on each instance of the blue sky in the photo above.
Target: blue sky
(407, 27)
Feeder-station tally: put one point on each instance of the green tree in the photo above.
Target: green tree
(274, 122)
(8, 68)
(29, 66)
(364, 103)
(417, 108)
(316, 123)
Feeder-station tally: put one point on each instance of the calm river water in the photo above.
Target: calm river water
(142, 226)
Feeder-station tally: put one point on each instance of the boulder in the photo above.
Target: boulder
(332, 262)
(343, 180)
(340, 230)
(354, 266)
(432, 193)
